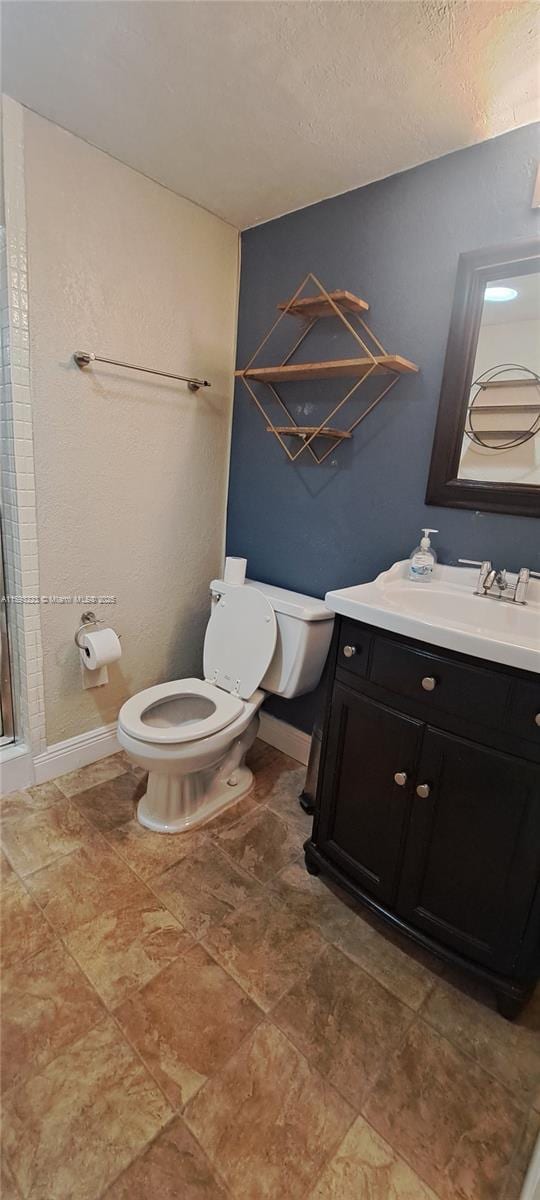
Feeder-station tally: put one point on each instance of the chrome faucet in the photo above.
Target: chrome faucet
(491, 577)
(485, 570)
(495, 578)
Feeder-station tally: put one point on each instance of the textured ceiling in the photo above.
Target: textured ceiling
(255, 109)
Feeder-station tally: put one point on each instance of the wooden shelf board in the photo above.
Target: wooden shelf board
(480, 409)
(306, 431)
(318, 306)
(353, 368)
(506, 383)
(503, 434)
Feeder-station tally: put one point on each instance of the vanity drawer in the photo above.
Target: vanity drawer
(442, 685)
(353, 650)
(524, 713)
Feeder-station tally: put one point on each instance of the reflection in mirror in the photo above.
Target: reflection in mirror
(501, 439)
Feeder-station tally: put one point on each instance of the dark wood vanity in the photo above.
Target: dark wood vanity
(428, 801)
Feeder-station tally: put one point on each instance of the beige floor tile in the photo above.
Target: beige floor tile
(403, 968)
(510, 1050)
(112, 802)
(46, 1004)
(261, 844)
(32, 800)
(80, 886)
(270, 1102)
(344, 1022)
(8, 1187)
(271, 771)
(445, 1115)
(283, 801)
(187, 1022)
(203, 888)
(34, 840)
(521, 1160)
(266, 947)
(173, 1168)
(6, 869)
(366, 1168)
(123, 949)
(230, 816)
(152, 853)
(23, 928)
(311, 897)
(127, 763)
(70, 1130)
(86, 777)
(268, 1121)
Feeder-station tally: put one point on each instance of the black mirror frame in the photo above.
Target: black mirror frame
(475, 270)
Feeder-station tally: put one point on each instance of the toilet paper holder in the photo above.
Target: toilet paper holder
(87, 618)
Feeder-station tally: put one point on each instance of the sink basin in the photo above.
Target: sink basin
(445, 612)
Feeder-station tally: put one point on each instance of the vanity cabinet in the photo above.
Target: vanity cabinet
(428, 804)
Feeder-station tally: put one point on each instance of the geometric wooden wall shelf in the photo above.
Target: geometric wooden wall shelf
(373, 361)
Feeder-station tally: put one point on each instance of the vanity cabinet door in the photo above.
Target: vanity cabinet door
(366, 790)
(472, 857)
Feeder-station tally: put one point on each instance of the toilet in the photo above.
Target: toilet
(192, 735)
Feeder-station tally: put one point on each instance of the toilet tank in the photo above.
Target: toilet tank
(304, 632)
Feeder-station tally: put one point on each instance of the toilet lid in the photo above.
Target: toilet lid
(240, 641)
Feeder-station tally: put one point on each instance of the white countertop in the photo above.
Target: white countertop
(445, 612)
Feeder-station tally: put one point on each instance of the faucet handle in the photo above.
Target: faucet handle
(485, 568)
(522, 581)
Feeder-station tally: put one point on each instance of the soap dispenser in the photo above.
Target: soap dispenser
(423, 559)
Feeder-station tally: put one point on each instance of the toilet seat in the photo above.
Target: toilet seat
(238, 648)
(164, 723)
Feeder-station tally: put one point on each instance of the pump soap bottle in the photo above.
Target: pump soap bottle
(423, 559)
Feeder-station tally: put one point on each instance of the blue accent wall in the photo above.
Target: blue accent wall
(395, 243)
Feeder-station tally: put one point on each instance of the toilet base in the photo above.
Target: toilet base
(175, 804)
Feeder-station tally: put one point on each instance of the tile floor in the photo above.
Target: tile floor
(197, 1018)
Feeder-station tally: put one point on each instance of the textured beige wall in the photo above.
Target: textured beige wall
(131, 471)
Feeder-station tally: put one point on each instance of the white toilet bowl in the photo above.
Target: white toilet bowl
(192, 735)
(194, 754)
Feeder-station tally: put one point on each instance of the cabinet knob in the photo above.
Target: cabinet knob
(349, 651)
(537, 719)
(400, 778)
(429, 683)
(423, 790)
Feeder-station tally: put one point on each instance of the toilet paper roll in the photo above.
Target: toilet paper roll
(99, 649)
(235, 570)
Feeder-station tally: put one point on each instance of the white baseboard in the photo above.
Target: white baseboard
(76, 752)
(287, 738)
(16, 769)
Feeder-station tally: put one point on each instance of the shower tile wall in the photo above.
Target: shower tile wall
(16, 444)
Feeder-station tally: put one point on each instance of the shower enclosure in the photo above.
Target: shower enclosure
(6, 697)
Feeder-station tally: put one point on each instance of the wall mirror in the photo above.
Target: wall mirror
(486, 449)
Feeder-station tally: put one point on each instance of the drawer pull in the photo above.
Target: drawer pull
(423, 790)
(429, 683)
(349, 651)
(400, 778)
(537, 719)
